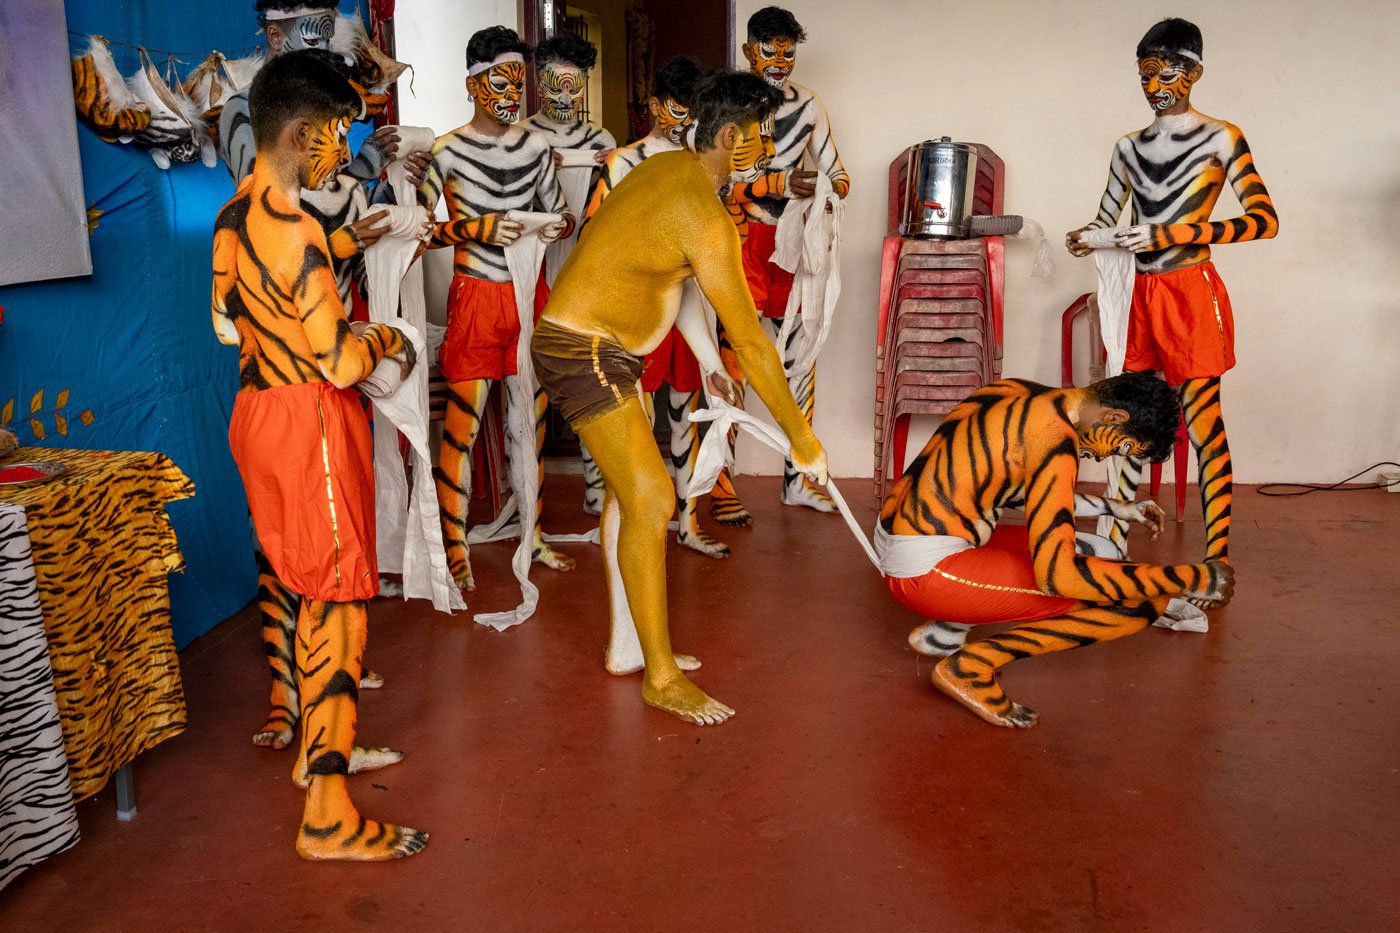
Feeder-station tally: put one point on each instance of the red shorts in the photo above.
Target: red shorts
(306, 459)
(483, 328)
(671, 364)
(1181, 325)
(991, 583)
(769, 283)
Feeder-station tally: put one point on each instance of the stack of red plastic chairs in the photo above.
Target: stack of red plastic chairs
(940, 323)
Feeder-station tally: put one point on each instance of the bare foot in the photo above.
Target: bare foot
(938, 639)
(359, 840)
(273, 735)
(544, 554)
(697, 540)
(361, 759)
(728, 510)
(984, 697)
(369, 680)
(593, 502)
(623, 663)
(681, 698)
(803, 493)
(461, 574)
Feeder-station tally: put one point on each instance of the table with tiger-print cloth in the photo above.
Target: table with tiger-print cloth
(37, 816)
(103, 546)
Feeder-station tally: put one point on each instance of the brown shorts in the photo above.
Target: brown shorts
(584, 375)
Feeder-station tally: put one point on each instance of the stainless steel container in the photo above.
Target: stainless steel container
(938, 190)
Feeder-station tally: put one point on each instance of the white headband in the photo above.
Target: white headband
(298, 13)
(505, 58)
(1186, 53)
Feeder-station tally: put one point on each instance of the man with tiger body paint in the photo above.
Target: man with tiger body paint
(1181, 324)
(801, 134)
(615, 301)
(299, 434)
(674, 363)
(485, 169)
(947, 557)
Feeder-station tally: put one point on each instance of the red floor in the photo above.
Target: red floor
(1248, 779)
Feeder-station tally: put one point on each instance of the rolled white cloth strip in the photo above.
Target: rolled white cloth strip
(523, 258)
(408, 533)
(914, 555)
(1115, 292)
(574, 176)
(1182, 616)
(1043, 266)
(807, 243)
(411, 139)
(714, 452)
(505, 58)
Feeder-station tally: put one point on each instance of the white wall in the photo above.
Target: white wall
(1049, 85)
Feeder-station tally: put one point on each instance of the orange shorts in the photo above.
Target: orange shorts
(1181, 325)
(769, 283)
(483, 328)
(991, 583)
(306, 459)
(671, 364)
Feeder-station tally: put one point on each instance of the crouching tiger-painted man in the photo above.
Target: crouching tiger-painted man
(299, 435)
(946, 556)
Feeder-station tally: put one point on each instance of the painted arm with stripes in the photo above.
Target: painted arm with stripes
(821, 149)
(1258, 222)
(551, 198)
(1061, 571)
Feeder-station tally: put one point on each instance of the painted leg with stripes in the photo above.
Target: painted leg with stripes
(685, 450)
(540, 551)
(1205, 426)
(330, 648)
(466, 401)
(592, 483)
(969, 675)
(725, 506)
(797, 489)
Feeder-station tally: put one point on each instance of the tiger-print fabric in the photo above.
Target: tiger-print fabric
(102, 547)
(275, 296)
(94, 103)
(1009, 442)
(37, 816)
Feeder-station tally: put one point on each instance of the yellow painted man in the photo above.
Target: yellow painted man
(615, 300)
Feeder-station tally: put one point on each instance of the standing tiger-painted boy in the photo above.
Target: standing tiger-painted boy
(800, 134)
(946, 555)
(484, 170)
(299, 434)
(1181, 323)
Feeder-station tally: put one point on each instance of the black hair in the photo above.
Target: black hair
(773, 22)
(486, 44)
(302, 84)
(725, 96)
(566, 48)
(288, 6)
(676, 79)
(1169, 39)
(1153, 407)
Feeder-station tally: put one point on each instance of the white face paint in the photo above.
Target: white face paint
(308, 32)
(562, 86)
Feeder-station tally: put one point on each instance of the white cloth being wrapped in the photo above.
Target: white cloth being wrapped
(523, 258)
(408, 532)
(807, 243)
(574, 174)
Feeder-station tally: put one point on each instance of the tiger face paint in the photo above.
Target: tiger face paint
(562, 86)
(1100, 441)
(329, 153)
(772, 61)
(498, 91)
(1165, 83)
(312, 31)
(753, 152)
(672, 120)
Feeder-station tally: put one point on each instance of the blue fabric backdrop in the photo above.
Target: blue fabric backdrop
(132, 344)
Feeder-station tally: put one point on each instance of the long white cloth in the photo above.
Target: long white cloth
(1116, 270)
(574, 173)
(408, 532)
(523, 258)
(807, 243)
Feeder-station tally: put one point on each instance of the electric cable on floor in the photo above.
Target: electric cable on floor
(1335, 487)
